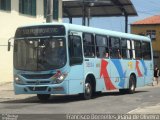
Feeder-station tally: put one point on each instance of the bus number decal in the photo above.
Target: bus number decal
(89, 64)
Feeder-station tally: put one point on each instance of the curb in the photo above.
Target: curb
(5, 83)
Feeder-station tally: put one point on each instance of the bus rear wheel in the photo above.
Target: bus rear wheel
(43, 97)
(88, 90)
(123, 91)
(132, 84)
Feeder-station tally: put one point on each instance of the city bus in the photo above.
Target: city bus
(67, 59)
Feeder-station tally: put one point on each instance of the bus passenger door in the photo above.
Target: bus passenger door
(148, 72)
(147, 62)
(76, 74)
(139, 64)
(89, 54)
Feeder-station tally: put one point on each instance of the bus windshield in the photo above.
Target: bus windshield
(40, 54)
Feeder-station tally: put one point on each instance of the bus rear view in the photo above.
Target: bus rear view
(39, 60)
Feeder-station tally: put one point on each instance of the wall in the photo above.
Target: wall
(141, 29)
(9, 21)
(136, 29)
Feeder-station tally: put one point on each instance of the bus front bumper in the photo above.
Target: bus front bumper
(42, 89)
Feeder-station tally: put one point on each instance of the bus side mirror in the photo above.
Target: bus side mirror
(9, 45)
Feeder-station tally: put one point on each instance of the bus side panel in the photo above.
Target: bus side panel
(119, 73)
(139, 69)
(125, 74)
(114, 74)
(76, 79)
(148, 65)
(100, 73)
(122, 69)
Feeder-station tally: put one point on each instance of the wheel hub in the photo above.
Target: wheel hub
(132, 87)
(87, 88)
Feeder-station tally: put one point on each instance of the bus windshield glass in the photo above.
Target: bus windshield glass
(40, 54)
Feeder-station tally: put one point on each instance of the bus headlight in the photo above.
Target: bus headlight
(17, 79)
(58, 77)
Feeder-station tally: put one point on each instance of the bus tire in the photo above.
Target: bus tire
(123, 91)
(88, 89)
(132, 84)
(43, 97)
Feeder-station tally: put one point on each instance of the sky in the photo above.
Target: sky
(144, 8)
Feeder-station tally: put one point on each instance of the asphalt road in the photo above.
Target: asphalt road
(105, 103)
(111, 102)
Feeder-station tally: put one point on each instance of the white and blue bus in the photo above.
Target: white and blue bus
(55, 58)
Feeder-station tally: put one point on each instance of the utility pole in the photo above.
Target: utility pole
(89, 16)
(83, 14)
(49, 13)
(126, 23)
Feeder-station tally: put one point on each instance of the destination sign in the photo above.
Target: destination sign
(39, 31)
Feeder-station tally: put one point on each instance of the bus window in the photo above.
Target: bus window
(133, 50)
(137, 47)
(88, 45)
(75, 50)
(146, 50)
(129, 51)
(40, 54)
(102, 46)
(124, 48)
(114, 44)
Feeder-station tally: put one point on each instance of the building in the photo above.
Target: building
(14, 13)
(150, 26)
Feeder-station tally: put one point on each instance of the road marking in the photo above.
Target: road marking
(132, 111)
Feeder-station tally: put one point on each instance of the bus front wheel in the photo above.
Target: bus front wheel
(43, 97)
(88, 90)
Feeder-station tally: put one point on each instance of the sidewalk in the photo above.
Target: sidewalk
(7, 92)
(5, 81)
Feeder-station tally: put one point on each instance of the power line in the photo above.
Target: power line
(151, 5)
(155, 3)
(147, 12)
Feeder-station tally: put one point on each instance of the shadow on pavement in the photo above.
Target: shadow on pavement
(58, 99)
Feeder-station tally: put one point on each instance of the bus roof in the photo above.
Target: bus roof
(87, 29)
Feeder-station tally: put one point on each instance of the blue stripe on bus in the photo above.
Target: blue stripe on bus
(144, 66)
(120, 72)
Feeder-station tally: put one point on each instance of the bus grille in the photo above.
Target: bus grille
(35, 82)
(37, 88)
(37, 76)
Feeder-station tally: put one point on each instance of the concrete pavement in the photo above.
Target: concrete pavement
(149, 109)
